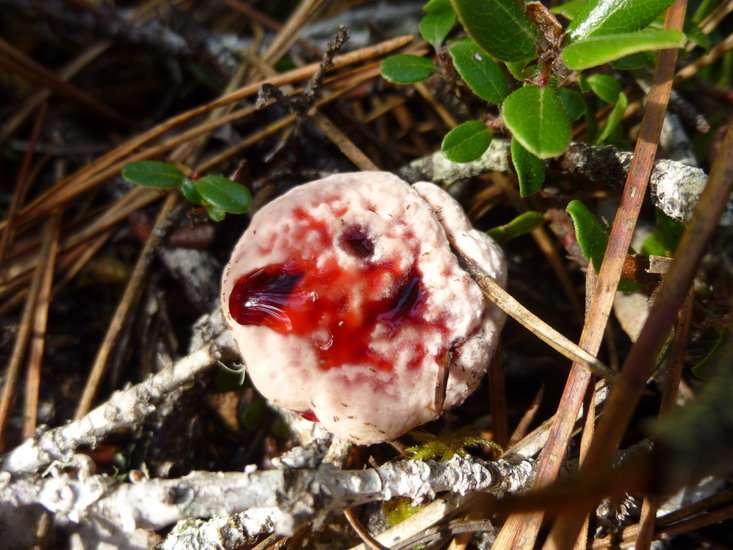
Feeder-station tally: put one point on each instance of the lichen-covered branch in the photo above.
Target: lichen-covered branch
(280, 500)
(439, 170)
(675, 186)
(124, 409)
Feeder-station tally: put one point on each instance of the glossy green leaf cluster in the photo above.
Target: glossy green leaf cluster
(513, 40)
(218, 195)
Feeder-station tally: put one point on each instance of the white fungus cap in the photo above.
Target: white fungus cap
(345, 299)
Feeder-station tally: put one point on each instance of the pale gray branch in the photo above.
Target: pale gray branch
(277, 500)
(124, 409)
(675, 186)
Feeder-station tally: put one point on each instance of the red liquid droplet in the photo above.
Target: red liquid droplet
(263, 297)
(309, 415)
(346, 313)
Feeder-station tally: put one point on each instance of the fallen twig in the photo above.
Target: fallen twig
(282, 499)
(675, 186)
(124, 409)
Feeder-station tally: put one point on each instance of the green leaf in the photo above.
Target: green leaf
(522, 224)
(188, 188)
(224, 194)
(229, 378)
(573, 103)
(696, 34)
(704, 9)
(437, 6)
(601, 17)
(538, 120)
(518, 69)
(598, 50)
(253, 415)
(406, 69)
(583, 83)
(499, 27)
(152, 173)
(530, 169)
(215, 213)
(709, 364)
(604, 86)
(467, 141)
(434, 27)
(665, 237)
(482, 75)
(592, 235)
(639, 60)
(614, 118)
(570, 10)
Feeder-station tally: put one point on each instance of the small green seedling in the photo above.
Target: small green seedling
(524, 41)
(218, 195)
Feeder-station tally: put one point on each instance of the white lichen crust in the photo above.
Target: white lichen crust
(404, 232)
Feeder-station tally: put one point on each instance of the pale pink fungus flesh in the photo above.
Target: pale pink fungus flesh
(345, 299)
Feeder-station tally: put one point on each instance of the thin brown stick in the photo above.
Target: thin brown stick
(713, 19)
(341, 140)
(364, 534)
(253, 14)
(40, 96)
(639, 363)
(290, 31)
(691, 69)
(49, 249)
(650, 505)
(129, 298)
(678, 517)
(17, 61)
(589, 407)
(110, 163)
(521, 531)
(21, 185)
(95, 224)
(445, 115)
(527, 418)
(497, 401)
(544, 243)
(507, 303)
(12, 371)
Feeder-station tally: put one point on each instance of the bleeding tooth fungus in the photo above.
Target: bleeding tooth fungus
(345, 299)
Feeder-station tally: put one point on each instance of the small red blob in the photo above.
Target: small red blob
(263, 297)
(345, 312)
(309, 415)
(356, 241)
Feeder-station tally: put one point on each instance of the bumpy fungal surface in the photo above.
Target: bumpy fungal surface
(345, 300)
